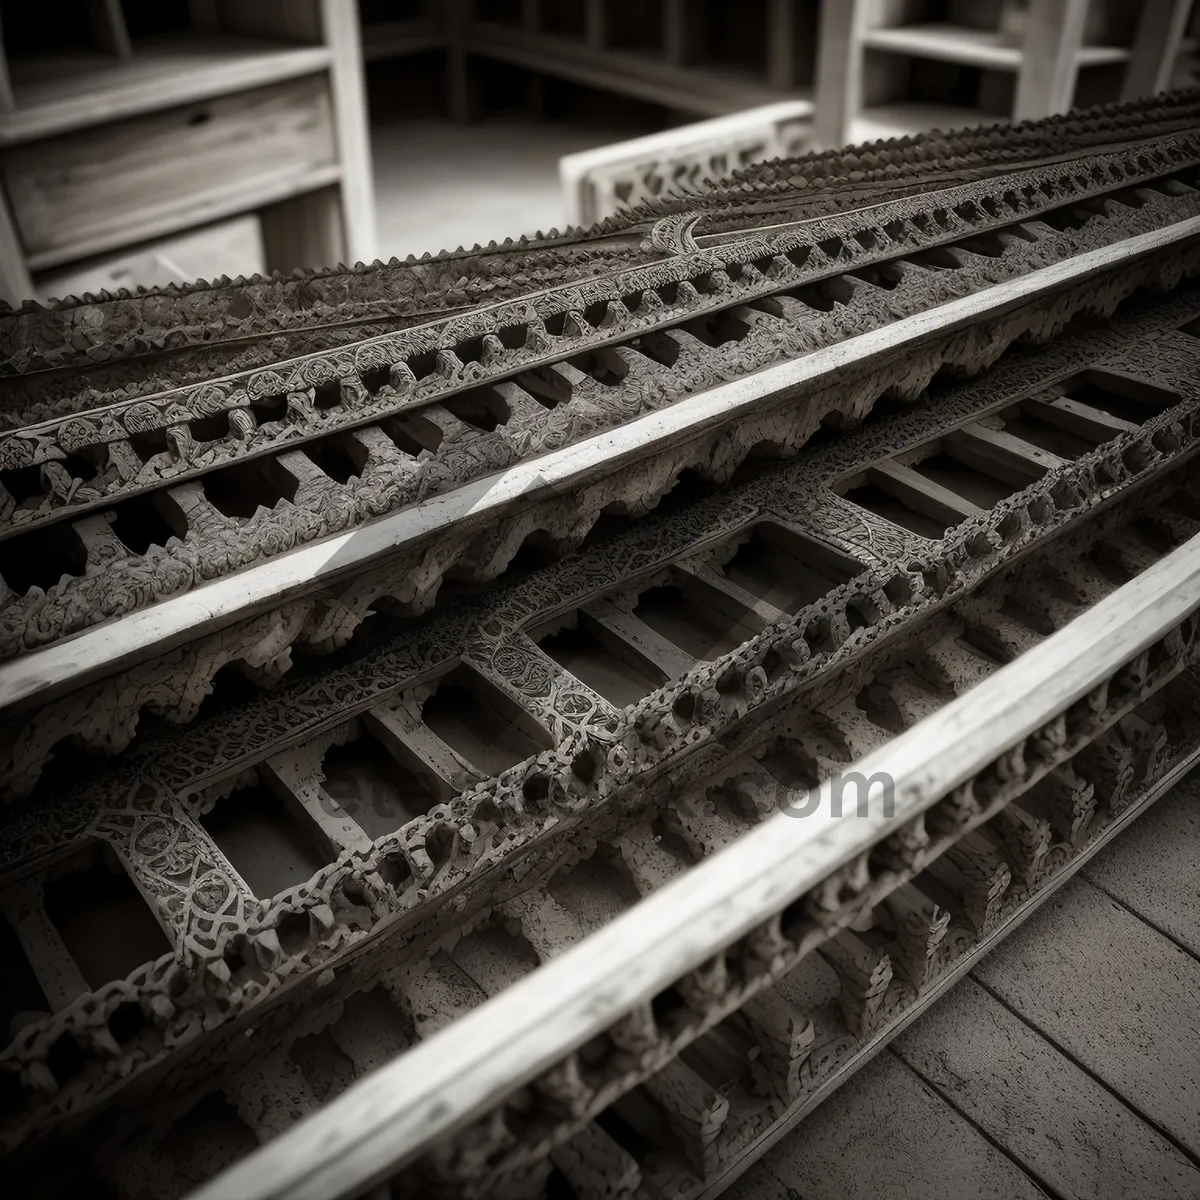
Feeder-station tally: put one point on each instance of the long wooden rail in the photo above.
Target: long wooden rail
(117, 645)
(1008, 731)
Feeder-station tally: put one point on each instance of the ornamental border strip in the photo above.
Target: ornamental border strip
(133, 582)
(952, 568)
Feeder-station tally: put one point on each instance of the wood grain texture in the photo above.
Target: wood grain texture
(341, 28)
(62, 94)
(230, 248)
(89, 192)
(1116, 996)
(1155, 871)
(95, 652)
(886, 1135)
(1053, 1118)
(384, 1120)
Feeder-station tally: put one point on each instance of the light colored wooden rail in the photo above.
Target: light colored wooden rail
(390, 1118)
(117, 645)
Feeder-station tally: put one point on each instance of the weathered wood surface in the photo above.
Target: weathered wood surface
(1064, 1128)
(886, 1134)
(1116, 996)
(1154, 870)
(384, 1121)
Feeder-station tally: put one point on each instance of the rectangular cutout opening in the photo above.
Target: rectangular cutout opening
(600, 659)
(683, 615)
(271, 847)
(787, 569)
(374, 789)
(241, 489)
(102, 918)
(481, 724)
(41, 557)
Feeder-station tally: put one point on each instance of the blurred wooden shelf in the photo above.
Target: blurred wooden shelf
(889, 68)
(973, 47)
(708, 91)
(55, 95)
(141, 122)
(397, 39)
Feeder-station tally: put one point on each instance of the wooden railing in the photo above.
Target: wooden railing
(729, 927)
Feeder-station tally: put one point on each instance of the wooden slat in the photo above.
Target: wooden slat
(732, 601)
(1078, 418)
(95, 190)
(54, 101)
(420, 749)
(96, 652)
(1048, 1114)
(1115, 995)
(670, 659)
(388, 1118)
(1001, 454)
(922, 495)
(57, 973)
(885, 1134)
(1155, 48)
(1155, 870)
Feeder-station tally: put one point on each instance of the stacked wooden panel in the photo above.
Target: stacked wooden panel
(379, 644)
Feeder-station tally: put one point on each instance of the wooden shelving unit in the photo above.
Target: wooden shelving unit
(136, 133)
(699, 57)
(895, 67)
(398, 28)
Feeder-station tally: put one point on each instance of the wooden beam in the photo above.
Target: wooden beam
(56, 971)
(1079, 418)
(95, 653)
(670, 659)
(1049, 58)
(922, 495)
(1155, 48)
(1000, 454)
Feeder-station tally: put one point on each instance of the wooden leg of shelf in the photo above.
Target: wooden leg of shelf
(1155, 48)
(838, 87)
(15, 283)
(781, 44)
(1049, 61)
(306, 231)
(339, 19)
